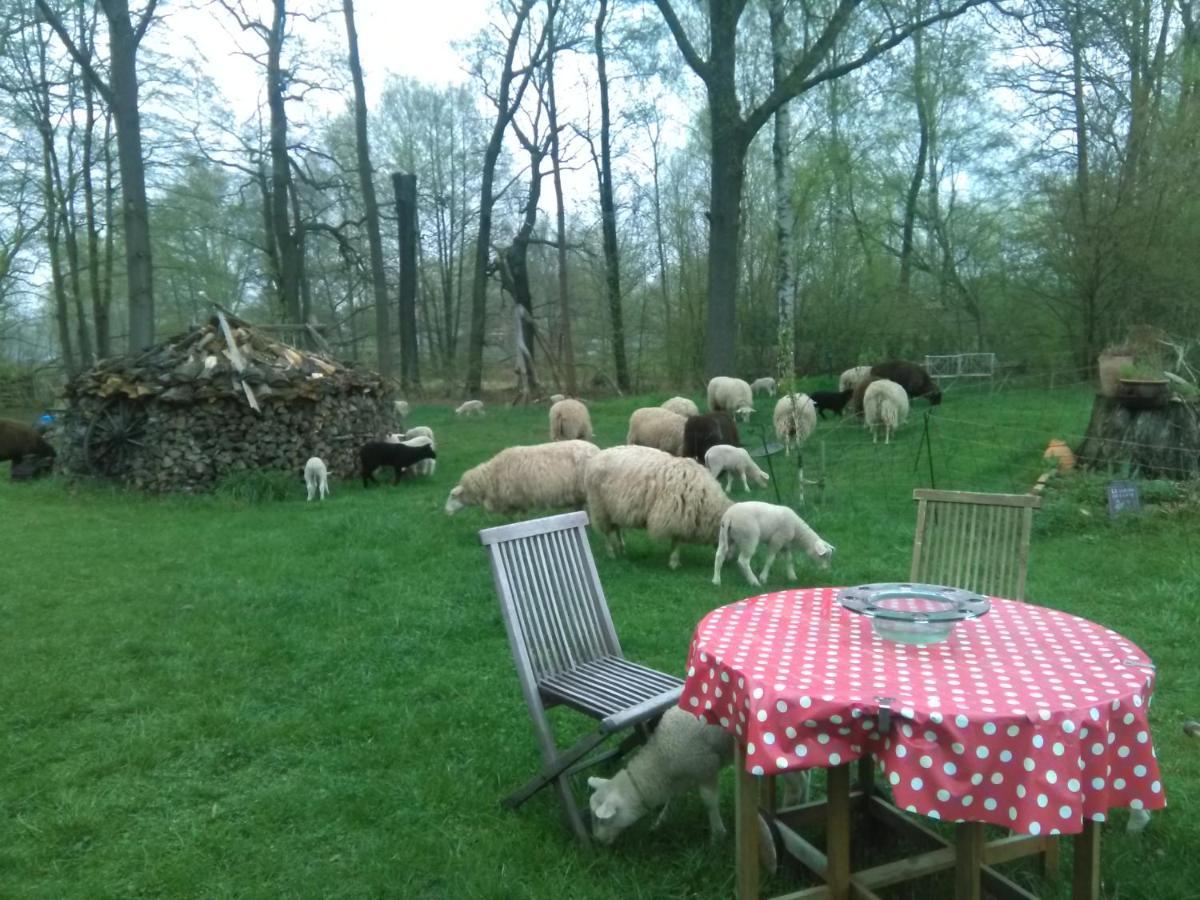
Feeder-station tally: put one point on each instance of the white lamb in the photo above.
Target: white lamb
(766, 385)
(744, 525)
(470, 408)
(569, 420)
(732, 395)
(795, 418)
(849, 379)
(674, 499)
(730, 460)
(316, 478)
(885, 404)
(681, 406)
(401, 407)
(653, 426)
(523, 478)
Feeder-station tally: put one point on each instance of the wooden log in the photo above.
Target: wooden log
(1150, 443)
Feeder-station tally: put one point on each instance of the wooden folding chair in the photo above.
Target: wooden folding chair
(979, 542)
(566, 649)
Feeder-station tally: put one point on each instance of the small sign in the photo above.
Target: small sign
(1123, 497)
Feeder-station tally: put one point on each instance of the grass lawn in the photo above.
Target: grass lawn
(205, 696)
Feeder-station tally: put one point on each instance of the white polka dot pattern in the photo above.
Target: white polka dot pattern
(1037, 715)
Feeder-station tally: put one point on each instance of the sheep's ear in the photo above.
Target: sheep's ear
(605, 810)
(766, 477)
(595, 783)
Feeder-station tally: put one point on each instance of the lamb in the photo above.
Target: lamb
(884, 403)
(851, 377)
(425, 466)
(521, 478)
(18, 440)
(831, 401)
(795, 418)
(555, 398)
(374, 454)
(731, 395)
(569, 421)
(316, 478)
(734, 460)
(401, 408)
(766, 385)
(653, 426)
(639, 487)
(470, 408)
(744, 525)
(682, 406)
(915, 380)
(682, 753)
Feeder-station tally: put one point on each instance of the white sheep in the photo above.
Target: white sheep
(470, 408)
(316, 477)
(653, 426)
(766, 385)
(522, 478)
(555, 398)
(885, 404)
(639, 487)
(851, 377)
(569, 420)
(425, 466)
(795, 418)
(681, 406)
(682, 753)
(730, 460)
(401, 408)
(731, 395)
(744, 525)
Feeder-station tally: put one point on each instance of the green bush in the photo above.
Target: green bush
(259, 486)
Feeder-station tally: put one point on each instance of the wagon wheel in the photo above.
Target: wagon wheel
(114, 436)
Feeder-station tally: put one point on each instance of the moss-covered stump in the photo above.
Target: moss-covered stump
(1152, 443)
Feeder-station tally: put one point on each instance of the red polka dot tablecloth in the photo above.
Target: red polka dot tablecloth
(1026, 717)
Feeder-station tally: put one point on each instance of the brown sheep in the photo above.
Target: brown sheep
(18, 440)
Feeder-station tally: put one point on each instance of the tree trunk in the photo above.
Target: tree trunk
(383, 331)
(405, 189)
(61, 309)
(99, 311)
(914, 185)
(102, 318)
(281, 176)
(608, 214)
(566, 347)
(785, 331)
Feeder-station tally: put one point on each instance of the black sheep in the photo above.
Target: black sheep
(707, 430)
(910, 376)
(18, 440)
(399, 456)
(833, 401)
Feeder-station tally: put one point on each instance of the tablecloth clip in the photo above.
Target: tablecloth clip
(885, 713)
(1134, 663)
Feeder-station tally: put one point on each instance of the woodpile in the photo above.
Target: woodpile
(220, 399)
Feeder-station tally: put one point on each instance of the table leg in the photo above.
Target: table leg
(1050, 857)
(1086, 884)
(746, 826)
(968, 858)
(837, 832)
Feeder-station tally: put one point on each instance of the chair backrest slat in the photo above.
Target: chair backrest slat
(550, 594)
(975, 541)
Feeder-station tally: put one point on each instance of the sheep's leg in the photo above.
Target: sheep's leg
(745, 487)
(728, 480)
(796, 786)
(744, 557)
(710, 796)
(791, 566)
(718, 564)
(673, 562)
(770, 560)
(661, 816)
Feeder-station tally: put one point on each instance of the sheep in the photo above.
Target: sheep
(795, 418)
(766, 385)
(745, 524)
(555, 398)
(639, 487)
(915, 380)
(653, 426)
(884, 403)
(682, 753)
(569, 421)
(682, 406)
(830, 401)
(401, 408)
(860, 391)
(18, 440)
(731, 395)
(708, 430)
(851, 377)
(521, 478)
(425, 466)
(374, 454)
(470, 408)
(722, 458)
(316, 478)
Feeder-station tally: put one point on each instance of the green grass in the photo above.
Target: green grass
(234, 695)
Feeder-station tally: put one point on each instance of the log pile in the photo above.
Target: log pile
(1150, 443)
(219, 399)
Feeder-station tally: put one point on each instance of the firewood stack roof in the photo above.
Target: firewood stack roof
(213, 361)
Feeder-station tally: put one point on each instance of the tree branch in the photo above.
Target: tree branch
(698, 65)
(85, 64)
(144, 22)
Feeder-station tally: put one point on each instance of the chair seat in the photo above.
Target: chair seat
(613, 689)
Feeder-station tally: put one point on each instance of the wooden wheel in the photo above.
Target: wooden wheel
(114, 436)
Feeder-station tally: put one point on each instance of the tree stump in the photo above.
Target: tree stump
(1151, 443)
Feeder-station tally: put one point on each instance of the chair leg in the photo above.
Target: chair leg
(556, 766)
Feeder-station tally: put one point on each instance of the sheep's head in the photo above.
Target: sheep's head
(614, 807)
(760, 478)
(456, 501)
(743, 413)
(821, 552)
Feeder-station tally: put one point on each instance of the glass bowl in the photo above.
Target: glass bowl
(913, 613)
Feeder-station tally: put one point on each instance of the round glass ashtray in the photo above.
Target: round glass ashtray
(913, 613)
